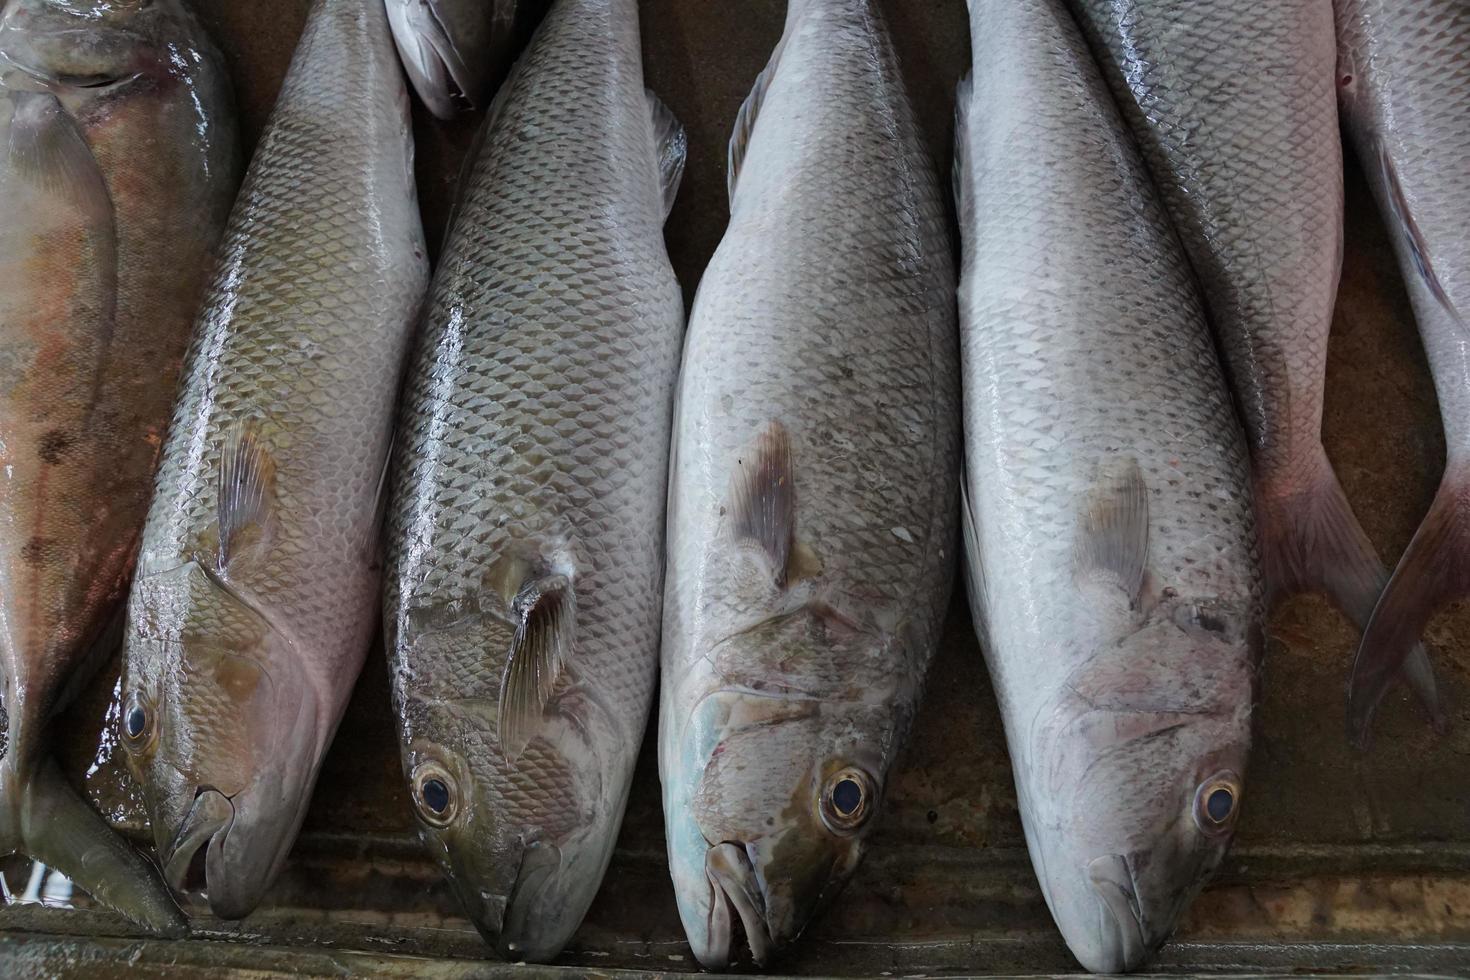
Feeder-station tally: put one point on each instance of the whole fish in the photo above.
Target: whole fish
(256, 589)
(452, 49)
(525, 534)
(118, 161)
(1404, 88)
(1233, 106)
(1113, 567)
(812, 511)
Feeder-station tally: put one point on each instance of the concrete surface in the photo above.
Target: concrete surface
(1345, 861)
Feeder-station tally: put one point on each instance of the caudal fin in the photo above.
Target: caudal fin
(1312, 542)
(1434, 571)
(53, 825)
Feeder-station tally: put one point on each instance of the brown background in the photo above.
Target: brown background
(1340, 850)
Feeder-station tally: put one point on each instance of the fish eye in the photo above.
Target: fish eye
(137, 722)
(1217, 803)
(435, 795)
(847, 801)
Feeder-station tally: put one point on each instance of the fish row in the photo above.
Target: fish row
(561, 498)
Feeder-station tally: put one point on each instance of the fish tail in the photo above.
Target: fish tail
(1434, 571)
(1312, 542)
(45, 819)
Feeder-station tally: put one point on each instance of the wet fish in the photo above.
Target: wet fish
(813, 491)
(452, 49)
(1112, 559)
(257, 583)
(1233, 107)
(1404, 89)
(527, 517)
(118, 161)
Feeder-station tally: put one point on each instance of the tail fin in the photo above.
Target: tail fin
(53, 825)
(1311, 541)
(1434, 571)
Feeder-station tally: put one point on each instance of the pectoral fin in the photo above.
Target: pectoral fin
(546, 620)
(247, 490)
(1112, 543)
(762, 508)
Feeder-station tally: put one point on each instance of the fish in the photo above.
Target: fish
(1234, 108)
(256, 593)
(118, 163)
(1403, 87)
(452, 49)
(525, 529)
(813, 508)
(1113, 569)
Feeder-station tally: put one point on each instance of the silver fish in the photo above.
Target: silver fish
(1233, 106)
(812, 507)
(526, 526)
(1404, 89)
(451, 49)
(1112, 558)
(118, 162)
(257, 583)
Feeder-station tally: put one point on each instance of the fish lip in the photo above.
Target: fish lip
(204, 827)
(1123, 944)
(540, 862)
(425, 50)
(734, 885)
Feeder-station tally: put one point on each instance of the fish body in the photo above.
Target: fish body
(256, 589)
(813, 488)
(118, 162)
(1112, 560)
(451, 49)
(1404, 89)
(1234, 109)
(525, 534)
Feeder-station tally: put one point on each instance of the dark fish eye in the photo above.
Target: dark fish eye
(1215, 803)
(847, 796)
(1219, 804)
(435, 794)
(847, 801)
(137, 721)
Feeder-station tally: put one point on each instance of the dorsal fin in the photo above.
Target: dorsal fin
(672, 146)
(1398, 205)
(546, 615)
(763, 501)
(745, 120)
(246, 491)
(975, 584)
(1112, 543)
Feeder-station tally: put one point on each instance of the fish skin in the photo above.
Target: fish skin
(1113, 568)
(1404, 92)
(822, 354)
(452, 49)
(132, 112)
(1233, 107)
(255, 596)
(533, 448)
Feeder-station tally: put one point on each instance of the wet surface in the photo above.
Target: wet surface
(1345, 861)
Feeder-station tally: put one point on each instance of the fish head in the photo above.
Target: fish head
(774, 781)
(1135, 787)
(95, 45)
(224, 731)
(523, 835)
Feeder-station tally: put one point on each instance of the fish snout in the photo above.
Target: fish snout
(198, 842)
(736, 896)
(532, 930)
(1121, 942)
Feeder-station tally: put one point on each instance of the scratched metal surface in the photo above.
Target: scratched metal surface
(1346, 862)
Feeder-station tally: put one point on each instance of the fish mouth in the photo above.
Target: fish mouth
(1122, 944)
(736, 896)
(526, 936)
(197, 863)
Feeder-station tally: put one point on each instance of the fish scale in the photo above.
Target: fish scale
(1122, 639)
(296, 359)
(1404, 89)
(533, 451)
(1233, 108)
(824, 325)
